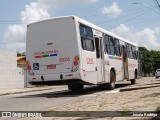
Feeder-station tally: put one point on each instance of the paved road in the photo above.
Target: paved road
(44, 100)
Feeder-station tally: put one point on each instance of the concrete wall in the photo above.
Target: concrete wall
(10, 76)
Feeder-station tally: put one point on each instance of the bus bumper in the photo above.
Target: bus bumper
(54, 79)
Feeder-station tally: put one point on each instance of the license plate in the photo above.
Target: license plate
(51, 66)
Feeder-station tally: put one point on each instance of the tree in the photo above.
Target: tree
(156, 59)
(147, 61)
(20, 54)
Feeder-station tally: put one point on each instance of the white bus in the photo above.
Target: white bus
(71, 51)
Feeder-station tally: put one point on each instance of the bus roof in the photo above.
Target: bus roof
(90, 25)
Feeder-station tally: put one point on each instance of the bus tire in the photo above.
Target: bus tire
(75, 87)
(111, 84)
(133, 81)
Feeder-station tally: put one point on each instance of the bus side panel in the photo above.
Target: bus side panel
(115, 62)
(132, 65)
(89, 67)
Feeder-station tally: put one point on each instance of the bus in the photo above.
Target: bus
(71, 51)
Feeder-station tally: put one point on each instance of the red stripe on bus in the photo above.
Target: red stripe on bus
(38, 56)
(119, 58)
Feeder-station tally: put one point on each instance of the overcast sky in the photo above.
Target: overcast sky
(138, 23)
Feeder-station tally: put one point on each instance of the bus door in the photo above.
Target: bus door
(125, 62)
(100, 59)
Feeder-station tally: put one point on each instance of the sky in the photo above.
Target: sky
(139, 23)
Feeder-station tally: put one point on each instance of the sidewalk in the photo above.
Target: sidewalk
(25, 90)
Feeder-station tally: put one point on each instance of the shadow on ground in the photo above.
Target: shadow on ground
(67, 93)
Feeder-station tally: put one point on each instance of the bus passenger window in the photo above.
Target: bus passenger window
(128, 51)
(86, 38)
(106, 41)
(111, 45)
(134, 52)
(117, 48)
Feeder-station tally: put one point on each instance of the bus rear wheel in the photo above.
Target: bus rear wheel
(75, 87)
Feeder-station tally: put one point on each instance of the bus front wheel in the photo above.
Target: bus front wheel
(133, 81)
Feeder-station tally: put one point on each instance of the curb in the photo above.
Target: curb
(137, 88)
(27, 91)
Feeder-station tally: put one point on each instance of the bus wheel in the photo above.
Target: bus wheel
(111, 85)
(75, 87)
(133, 81)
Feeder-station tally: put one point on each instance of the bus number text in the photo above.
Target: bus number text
(89, 61)
(64, 59)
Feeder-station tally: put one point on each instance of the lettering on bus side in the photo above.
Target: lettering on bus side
(65, 59)
(89, 61)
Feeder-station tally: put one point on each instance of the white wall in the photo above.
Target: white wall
(10, 76)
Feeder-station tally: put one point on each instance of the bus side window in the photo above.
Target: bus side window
(128, 51)
(83, 36)
(86, 38)
(89, 39)
(111, 46)
(117, 48)
(131, 53)
(134, 52)
(106, 41)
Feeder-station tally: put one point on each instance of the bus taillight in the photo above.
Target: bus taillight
(75, 63)
(28, 65)
(76, 58)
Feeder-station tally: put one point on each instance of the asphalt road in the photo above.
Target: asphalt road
(44, 100)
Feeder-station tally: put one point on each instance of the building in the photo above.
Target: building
(10, 75)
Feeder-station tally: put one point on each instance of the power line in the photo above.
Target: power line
(148, 7)
(21, 21)
(117, 19)
(129, 19)
(157, 5)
